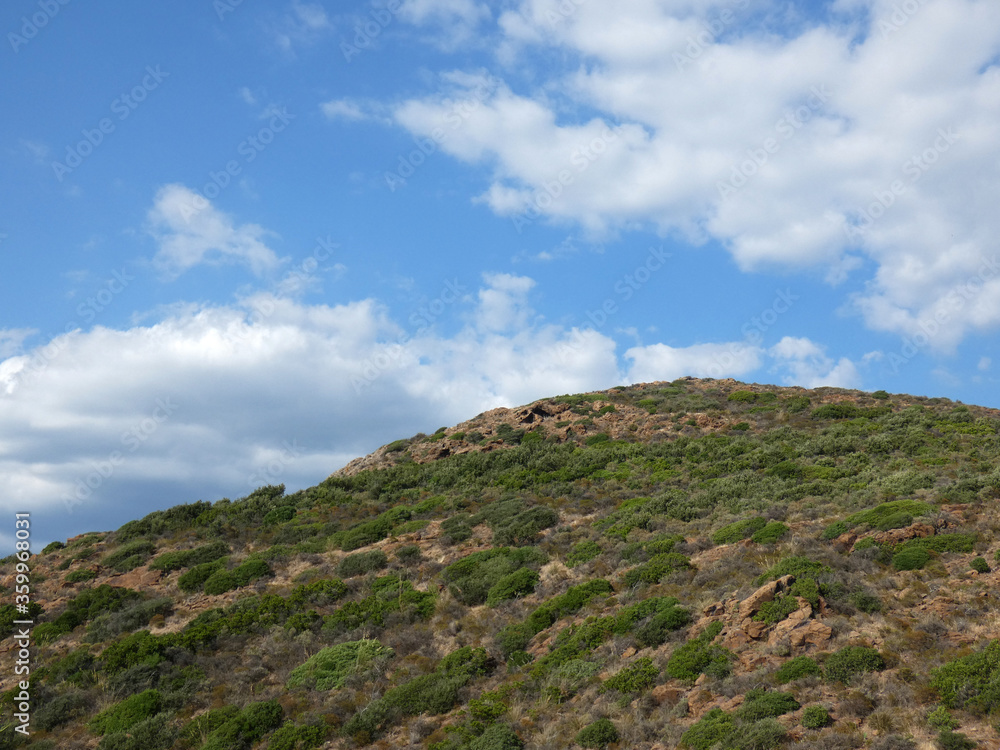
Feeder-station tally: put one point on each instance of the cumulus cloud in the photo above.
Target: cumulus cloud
(190, 231)
(805, 363)
(662, 362)
(795, 143)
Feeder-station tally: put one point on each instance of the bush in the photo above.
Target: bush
(194, 579)
(78, 576)
(634, 678)
(940, 718)
(524, 527)
(498, 736)
(297, 737)
(949, 740)
(582, 552)
(599, 734)
(654, 570)
(122, 716)
(698, 656)
(797, 668)
(734, 532)
(880, 395)
(763, 704)
(129, 556)
(837, 411)
(659, 627)
(770, 533)
(834, 530)
(866, 602)
(517, 584)
(971, 682)
(714, 728)
(816, 717)
(361, 563)
(851, 661)
(762, 735)
(911, 558)
(796, 566)
(471, 578)
(220, 582)
(250, 570)
(179, 559)
(330, 668)
(980, 565)
(154, 733)
(246, 727)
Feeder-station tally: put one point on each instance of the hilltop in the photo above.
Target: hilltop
(699, 564)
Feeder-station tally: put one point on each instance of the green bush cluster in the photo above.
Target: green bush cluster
(971, 682)
(471, 578)
(122, 716)
(719, 729)
(511, 586)
(516, 637)
(761, 704)
(796, 565)
(433, 693)
(86, 606)
(851, 661)
(598, 734)
(634, 678)
(154, 733)
(816, 717)
(941, 718)
(577, 641)
(368, 532)
(657, 567)
(734, 532)
(298, 737)
(79, 576)
(390, 594)
(323, 591)
(582, 552)
(180, 559)
(883, 515)
(129, 555)
(246, 727)
(194, 579)
(770, 534)
(330, 667)
(699, 656)
(361, 563)
(797, 668)
(980, 565)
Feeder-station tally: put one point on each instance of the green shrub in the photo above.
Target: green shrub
(498, 736)
(776, 610)
(835, 529)
(971, 682)
(179, 559)
(408, 554)
(846, 664)
(797, 403)
(762, 704)
(194, 579)
(796, 566)
(599, 734)
(816, 717)
(734, 532)
(762, 735)
(246, 727)
(741, 427)
(330, 667)
(837, 411)
(582, 552)
(250, 570)
(980, 565)
(698, 656)
(220, 582)
(154, 733)
(122, 716)
(895, 521)
(78, 576)
(634, 678)
(949, 740)
(471, 578)
(323, 591)
(659, 627)
(883, 514)
(129, 556)
(866, 602)
(796, 668)
(524, 527)
(361, 563)
(715, 728)
(512, 586)
(745, 397)
(657, 567)
(911, 558)
(770, 533)
(940, 718)
(297, 737)
(132, 650)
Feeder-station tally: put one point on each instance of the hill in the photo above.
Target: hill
(698, 564)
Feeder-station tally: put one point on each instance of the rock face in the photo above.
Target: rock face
(766, 593)
(896, 536)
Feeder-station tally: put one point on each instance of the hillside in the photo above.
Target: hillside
(698, 564)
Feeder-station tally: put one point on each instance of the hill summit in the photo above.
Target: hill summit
(699, 564)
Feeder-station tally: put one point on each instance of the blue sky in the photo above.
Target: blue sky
(243, 244)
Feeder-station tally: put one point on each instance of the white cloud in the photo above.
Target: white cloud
(343, 109)
(503, 304)
(806, 364)
(782, 143)
(190, 231)
(12, 340)
(662, 362)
